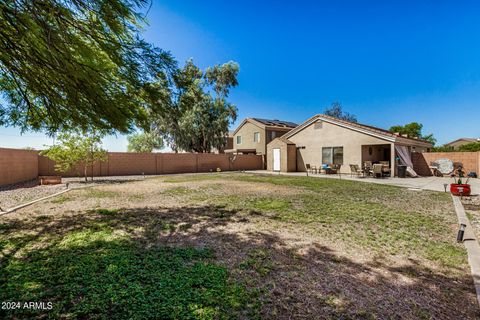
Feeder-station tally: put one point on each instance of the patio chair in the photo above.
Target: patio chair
(323, 168)
(310, 168)
(355, 170)
(367, 168)
(334, 169)
(377, 170)
(386, 170)
(386, 167)
(434, 169)
(331, 169)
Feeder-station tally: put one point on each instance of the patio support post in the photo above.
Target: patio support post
(392, 160)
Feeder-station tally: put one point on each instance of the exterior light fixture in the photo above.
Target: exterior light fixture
(445, 185)
(461, 232)
(67, 185)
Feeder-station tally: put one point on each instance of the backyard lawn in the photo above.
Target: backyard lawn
(239, 246)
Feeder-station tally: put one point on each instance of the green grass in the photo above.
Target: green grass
(99, 193)
(377, 218)
(61, 199)
(178, 191)
(196, 177)
(99, 274)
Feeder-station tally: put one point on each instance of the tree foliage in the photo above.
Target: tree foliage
(443, 148)
(412, 130)
(76, 64)
(336, 110)
(72, 150)
(144, 142)
(199, 113)
(470, 147)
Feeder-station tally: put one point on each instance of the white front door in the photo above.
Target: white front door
(276, 159)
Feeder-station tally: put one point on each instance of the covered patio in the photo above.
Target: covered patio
(379, 154)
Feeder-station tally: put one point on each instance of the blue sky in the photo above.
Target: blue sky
(388, 63)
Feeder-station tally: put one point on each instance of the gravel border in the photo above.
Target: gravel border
(20, 193)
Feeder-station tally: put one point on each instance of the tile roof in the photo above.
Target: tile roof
(360, 126)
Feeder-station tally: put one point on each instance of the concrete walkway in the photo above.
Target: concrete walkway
(424, 183)
(471, 244)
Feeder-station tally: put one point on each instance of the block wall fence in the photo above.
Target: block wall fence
(469, 160)
(22, 165)
(17, 165)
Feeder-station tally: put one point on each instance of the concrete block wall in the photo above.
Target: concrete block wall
(17, 165)
(469, 160)
(125, 163)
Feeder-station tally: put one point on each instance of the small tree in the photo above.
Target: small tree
(413, 129)
(144, 142)
(75, 149)
(336, 111)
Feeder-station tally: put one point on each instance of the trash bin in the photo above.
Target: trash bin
(402, 171)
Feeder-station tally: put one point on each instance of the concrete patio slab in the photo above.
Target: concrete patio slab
(424, 183)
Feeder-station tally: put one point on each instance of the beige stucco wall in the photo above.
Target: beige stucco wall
(247, 131)
(278, 134)
(330, 135)
(288, 161)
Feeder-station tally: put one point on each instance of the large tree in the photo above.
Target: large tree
(76, 64)
(413, 129)
(144, 142)
(336, 110)
(199, 113)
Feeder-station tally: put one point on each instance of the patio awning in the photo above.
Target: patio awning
(406, 159)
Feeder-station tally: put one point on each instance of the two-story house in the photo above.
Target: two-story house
(253, 135)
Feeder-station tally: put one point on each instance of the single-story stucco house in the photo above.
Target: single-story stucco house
(327, 140)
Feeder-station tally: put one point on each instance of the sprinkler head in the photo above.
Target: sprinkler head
(461, 232)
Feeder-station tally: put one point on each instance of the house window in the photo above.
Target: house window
(239, 139)
(332, 155)
(256, 137)
(273, 134)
